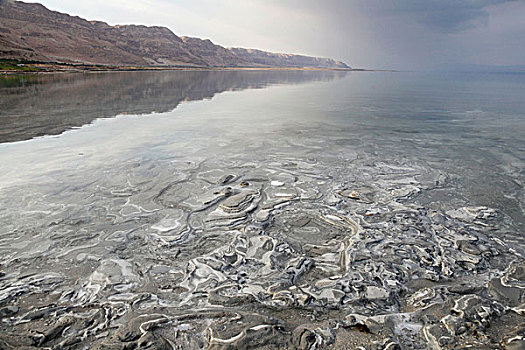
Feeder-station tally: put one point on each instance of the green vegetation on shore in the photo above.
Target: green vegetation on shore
(10, 65)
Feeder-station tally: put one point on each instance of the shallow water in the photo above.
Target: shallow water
(262, 209)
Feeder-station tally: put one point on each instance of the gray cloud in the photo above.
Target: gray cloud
(442, 15)
(448, 15)
(415, 34)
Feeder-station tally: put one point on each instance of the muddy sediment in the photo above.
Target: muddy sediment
(297, 252)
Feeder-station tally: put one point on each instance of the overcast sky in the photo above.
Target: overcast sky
(397, 34)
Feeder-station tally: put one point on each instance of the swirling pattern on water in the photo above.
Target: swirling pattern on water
(290, 217)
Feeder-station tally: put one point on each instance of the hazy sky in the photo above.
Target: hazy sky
(399, 34)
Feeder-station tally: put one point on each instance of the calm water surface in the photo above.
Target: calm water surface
(262, 209)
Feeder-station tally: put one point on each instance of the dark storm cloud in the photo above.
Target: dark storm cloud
(419, 34)
(440, 15)
(447, 15)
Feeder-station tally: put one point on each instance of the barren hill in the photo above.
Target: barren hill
(30, 31)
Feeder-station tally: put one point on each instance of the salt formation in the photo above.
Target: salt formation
(306, 250)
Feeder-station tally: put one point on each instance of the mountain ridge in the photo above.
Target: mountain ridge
(30, 31)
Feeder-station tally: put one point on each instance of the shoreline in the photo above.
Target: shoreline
(16, 72)
(54, 68)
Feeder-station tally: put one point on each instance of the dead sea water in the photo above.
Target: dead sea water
(262, 209)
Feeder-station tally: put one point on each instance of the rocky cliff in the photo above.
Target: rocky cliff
(278, 59)
(30, 31)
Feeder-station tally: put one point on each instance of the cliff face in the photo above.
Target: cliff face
(32, 32)
(279, 59)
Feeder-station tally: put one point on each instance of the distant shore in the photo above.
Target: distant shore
(28, 67)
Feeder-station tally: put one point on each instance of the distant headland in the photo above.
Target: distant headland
(33, 37)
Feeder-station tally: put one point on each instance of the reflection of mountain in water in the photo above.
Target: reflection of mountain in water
(48, 105)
